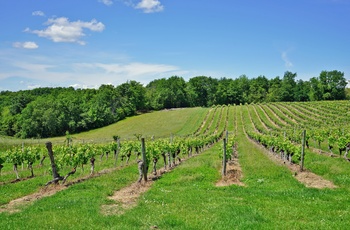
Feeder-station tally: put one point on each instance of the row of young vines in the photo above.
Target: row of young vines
(279, 127)
(72, 156)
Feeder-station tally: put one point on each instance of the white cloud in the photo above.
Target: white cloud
(150, 6)
(286, 60)
(25, 45)
(33, 68)
(131, 69)
(62, 30)
(58, 71)
(82, 70)
(38, 13)
(33, 86)
(80, 86)
(106, 2)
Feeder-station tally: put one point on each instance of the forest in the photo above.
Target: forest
(47, 112)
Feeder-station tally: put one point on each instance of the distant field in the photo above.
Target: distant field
(273, 196)
(159, 124)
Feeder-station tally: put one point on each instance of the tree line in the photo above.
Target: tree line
(47, 112)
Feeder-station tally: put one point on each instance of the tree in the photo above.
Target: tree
(19, 102)
(315, 93)
(134, 93)
(103, 106)
(156, 92)
(243, 85)
(258, 89)
(167, 93)
(302, 89)
(8, 122)
(273, 94)
(201, 91)
(347, 93)
(224, 95)
(332, 84)
(35, 117)
(177, 87)
(288, 86)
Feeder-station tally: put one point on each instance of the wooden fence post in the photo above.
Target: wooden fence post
(144, 159)
(302, 151)
(117, 152)
(224, 159)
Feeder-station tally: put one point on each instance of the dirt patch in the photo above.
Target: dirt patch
(309, 179)
(233, 174)
(312, 180)
(15, 205)
(126, 198)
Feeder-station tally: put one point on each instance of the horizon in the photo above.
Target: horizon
(144, 85)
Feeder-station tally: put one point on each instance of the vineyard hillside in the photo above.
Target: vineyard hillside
(254, 166)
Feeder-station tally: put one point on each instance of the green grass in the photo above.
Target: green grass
(187, 198)
(159, 124)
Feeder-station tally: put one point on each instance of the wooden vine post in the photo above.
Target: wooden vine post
(224, 159)
(52, 160)
(302, 151)
(170, 154)
(144, 159)
(117, 139)
(55, 174)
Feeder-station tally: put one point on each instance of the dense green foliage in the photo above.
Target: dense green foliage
(47, 112)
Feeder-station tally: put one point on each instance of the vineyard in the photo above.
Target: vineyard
(67, 182)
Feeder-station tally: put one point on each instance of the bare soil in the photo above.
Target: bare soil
(306, 177)
(15, 205)
(126, 198)
(233, 174)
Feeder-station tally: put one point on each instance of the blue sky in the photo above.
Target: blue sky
(86, 43)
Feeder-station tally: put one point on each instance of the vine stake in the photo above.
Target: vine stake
(302, 151)
(224, 159)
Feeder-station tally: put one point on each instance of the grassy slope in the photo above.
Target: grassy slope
(160, 124)
(187, 198)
